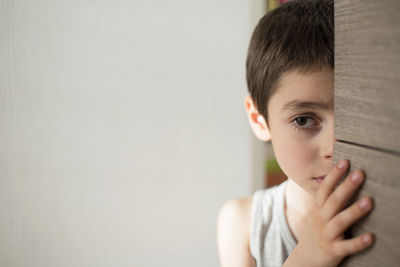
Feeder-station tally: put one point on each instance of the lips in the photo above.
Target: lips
(319, 179)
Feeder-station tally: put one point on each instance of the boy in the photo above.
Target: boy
(302, 221)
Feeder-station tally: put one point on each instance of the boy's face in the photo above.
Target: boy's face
(301, 126)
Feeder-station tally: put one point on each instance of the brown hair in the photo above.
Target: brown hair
(298, 35)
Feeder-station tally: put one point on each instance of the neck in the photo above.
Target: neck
(297, 200)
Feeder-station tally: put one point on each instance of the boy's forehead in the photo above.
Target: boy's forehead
(296, 90)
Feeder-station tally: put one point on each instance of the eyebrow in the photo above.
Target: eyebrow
(299, 104)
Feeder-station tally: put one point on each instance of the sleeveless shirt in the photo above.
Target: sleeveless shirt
(271, 240)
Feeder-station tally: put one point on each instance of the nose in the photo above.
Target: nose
(328, 150)
(327, 142)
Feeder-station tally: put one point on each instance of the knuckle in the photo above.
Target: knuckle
(352, 248)
(340, 221)
(328, 249)
(324, 234)
(344, 251)
(341, 250)
(353, 214)
(320, 218)
(335, 198)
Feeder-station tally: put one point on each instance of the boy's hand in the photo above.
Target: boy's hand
(322, 241)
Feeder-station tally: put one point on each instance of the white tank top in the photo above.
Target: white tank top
(271, 240)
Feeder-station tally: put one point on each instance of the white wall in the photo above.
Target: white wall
(122, 130)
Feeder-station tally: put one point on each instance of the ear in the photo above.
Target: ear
(256, 120)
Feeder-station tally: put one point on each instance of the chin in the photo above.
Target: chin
(313, 189)
(310, 187)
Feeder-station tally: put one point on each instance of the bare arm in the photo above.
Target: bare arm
(233, 233)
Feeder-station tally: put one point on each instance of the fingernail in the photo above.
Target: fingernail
(364, 204)
(342, 163)
(367, 239)
(356, 177)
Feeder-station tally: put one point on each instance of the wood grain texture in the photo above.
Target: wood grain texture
(382, 183)
(367, 72)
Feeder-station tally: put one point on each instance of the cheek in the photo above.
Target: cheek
(294, 155)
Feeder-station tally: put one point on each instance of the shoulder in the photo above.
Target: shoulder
(235, 215)
(233, 232)
(239, 209)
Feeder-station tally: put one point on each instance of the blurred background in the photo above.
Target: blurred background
(123, 129)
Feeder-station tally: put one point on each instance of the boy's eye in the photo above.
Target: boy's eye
(304, 122)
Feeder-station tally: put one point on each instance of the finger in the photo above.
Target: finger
(329, 183)
(350, 246)
(342, 194)
(346, 218)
